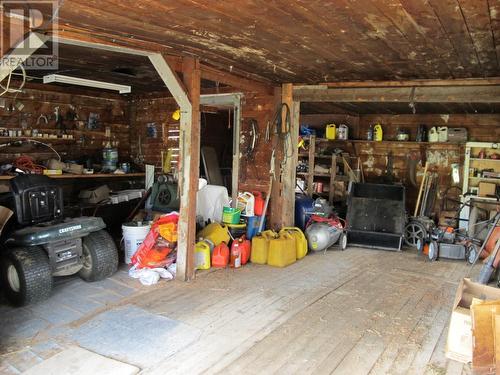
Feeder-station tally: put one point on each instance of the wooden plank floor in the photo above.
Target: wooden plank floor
(354, 312)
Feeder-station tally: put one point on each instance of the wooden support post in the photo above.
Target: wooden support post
(190, 168)
(289, 168)
(187, 96)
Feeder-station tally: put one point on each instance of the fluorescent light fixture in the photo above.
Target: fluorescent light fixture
(122, 89)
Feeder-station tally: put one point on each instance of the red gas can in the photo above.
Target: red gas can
(220, 256)
(258, 207)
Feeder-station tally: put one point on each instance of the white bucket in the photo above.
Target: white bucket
(133, 235)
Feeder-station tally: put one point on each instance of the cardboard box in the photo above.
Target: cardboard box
(460, 337)
(486, 189)
(94, 196)
(483, 334)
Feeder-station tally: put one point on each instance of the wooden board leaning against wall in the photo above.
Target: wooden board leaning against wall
(480, 127)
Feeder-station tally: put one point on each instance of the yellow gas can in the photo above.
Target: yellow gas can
(202, 255)
(299, 238)
(216, 233)
(260, 246)
(330, 132)
(282, 250)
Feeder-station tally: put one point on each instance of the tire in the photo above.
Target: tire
(414, 231)
(343, 241)
(100, 256)
(471, 252)
(433, 251)
(26, 275)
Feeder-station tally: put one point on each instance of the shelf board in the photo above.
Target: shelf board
(485, 179)
(478, 159)
(39, 139)
(88, 176)
(483, 198)
(390, 142)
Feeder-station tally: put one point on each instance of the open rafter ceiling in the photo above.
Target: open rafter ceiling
(311, 41)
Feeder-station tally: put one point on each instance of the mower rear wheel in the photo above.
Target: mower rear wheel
(414, 232)
(100, 256)
(26, 275)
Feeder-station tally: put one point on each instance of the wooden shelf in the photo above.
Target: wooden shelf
(483, 198)
(485, 179)
(478, 159)
(39, 139)
(390, 142)
(88, 176)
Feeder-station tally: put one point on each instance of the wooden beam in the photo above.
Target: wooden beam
(448, 94)
(172, 81)
(290, 165)
(235, 81)
(417, 83)
(190, 165)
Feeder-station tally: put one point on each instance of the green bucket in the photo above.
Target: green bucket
(231, 215)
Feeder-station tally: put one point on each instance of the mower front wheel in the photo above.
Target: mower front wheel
(343, 241)
(100, 256)
(26, 275)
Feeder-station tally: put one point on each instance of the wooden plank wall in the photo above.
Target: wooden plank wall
(159, 111)
(481, 127)
(254, 172)
(112, 111)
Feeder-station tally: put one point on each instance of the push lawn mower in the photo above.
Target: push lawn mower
(39, 242)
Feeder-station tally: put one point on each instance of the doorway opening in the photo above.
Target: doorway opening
(216, 146)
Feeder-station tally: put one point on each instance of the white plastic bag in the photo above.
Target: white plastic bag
(150, 276)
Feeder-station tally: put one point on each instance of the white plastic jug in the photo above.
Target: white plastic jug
(433, 135)
(443, 133)
(343, 132)
(246, 203)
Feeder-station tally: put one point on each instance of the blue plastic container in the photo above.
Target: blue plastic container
(253, 226)
(304, 205)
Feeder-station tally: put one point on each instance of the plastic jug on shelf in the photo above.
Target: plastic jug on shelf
(378, 133)
(433, 135)
(343, 132)
(331, 131)
(442, 133)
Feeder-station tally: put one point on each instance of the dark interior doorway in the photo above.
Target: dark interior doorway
(217, 130)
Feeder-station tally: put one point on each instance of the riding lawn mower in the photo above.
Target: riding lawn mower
(38, 242)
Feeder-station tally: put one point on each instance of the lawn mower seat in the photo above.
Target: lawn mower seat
(36, 199)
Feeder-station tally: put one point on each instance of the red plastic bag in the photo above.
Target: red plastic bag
(153, 251)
